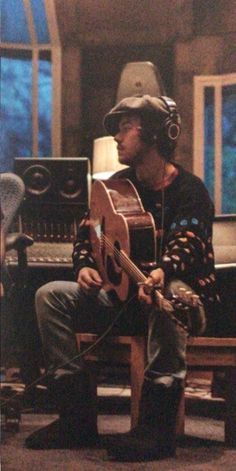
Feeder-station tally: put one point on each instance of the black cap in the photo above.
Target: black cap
(146, 104)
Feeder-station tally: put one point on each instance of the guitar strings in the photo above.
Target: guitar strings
(162, 212)
(138, 275)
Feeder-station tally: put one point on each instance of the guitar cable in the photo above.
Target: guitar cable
(162, 212)
(76, 357)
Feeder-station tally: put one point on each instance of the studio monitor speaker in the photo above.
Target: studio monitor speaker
(56, 196)
(55, 180)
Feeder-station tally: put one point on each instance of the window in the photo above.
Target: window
(30, 81)
(215, 138)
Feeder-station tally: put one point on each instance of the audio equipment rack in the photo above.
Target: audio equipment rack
(56, 197)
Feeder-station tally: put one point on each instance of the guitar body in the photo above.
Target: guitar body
(119, 224)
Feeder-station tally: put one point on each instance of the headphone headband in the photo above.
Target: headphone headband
(173, 121)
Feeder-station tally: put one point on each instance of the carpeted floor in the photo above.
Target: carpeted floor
(202, 449)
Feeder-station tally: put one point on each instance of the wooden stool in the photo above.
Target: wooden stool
(124, 350)
(203, 353)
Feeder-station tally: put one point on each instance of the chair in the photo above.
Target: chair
(12, 192)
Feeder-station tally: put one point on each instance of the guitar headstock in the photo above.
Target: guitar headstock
(184, 308)
(181, 299)
(184, 299)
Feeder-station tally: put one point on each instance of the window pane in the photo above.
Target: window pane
(45, 107)
(16, 114)
(229, 149)
(40, 21)
(14, 28)
(209, 148)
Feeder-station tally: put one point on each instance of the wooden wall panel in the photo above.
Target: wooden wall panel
(71, 101)
(181, 37)
(214, 16)
(113, 22)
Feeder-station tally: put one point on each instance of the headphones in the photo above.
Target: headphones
(172, 123)
(168, 131)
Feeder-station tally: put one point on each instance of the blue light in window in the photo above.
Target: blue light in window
(209, 145)
(14, 28)
(40, 21)
(229, 149)
(16, 111)
(45, 108)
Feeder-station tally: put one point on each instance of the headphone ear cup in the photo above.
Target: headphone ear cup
(172, 124)
(172, 128)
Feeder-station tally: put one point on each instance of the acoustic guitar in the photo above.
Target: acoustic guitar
(123, 239)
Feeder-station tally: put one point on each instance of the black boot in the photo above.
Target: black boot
(77, 423)
(155, 435)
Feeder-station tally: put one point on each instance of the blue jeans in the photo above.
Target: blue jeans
(63, 309)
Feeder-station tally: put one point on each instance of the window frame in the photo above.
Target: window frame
(35, 48)
(217, 82)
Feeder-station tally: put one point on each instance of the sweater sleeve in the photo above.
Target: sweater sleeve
(188, 246)
(82, 250)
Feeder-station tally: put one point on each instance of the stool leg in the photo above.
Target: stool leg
(181, 416)
(92, 370)
(138, 361)
(230, 408)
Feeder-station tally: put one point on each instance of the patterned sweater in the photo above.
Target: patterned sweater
(184, 213)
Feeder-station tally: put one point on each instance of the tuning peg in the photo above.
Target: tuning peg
(181, 293)
(195, 300)
(188, 297)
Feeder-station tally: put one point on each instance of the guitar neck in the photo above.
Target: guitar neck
(133, 271)
(137, 275)
(130, 268)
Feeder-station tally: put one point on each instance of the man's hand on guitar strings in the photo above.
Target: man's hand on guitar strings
(155, 281)
(89, 280)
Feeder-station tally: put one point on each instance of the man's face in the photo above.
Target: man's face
(129, 145)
